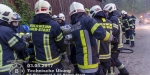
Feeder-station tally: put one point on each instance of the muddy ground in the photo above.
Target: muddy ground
(137, 63)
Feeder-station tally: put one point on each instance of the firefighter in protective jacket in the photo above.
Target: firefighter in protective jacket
(84, 31)
(20, 32)
(114, 18)
(9, 41)
(104, 48)
(129, 28)
(47, 37)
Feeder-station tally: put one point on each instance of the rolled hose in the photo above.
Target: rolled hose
(126, 50)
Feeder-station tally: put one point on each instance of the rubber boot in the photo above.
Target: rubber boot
(132, 44)
(123, 71)
(127, 42)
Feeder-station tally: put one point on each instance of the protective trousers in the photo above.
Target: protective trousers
(105, 66)
(116, 62)
(129, 37)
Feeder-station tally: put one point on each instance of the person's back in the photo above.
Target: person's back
(104, 48)
(45, 34)
(114, 18)
(47, 37)
(84, 31)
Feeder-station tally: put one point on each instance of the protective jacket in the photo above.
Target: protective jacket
(114, 18)
(47, 38)
(84, 32)
(134, 19)
(9, 43)
(127, 22)
(104, 48)
(20, 31)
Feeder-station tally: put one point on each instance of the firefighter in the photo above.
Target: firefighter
(9, 41)
(54, 17)
(114, 18)
(104, 48)
(84, 31)
(65, 27)
(20, 31)
(129, 28)
(47, 38)
(61, 19)
(134, 20)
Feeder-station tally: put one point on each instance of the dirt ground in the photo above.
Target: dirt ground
(137, 63)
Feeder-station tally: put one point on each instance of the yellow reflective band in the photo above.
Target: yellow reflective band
(21, 33)
(1, 55)
(103, 19)
(54, 61)
(106, 56)
(5, 68)
(15, 55)
(85, 53)
(115, 26)
(12, 41)
(18, 35)
(27, 58)
(119, 20)
(121, 66)
(130, 19)
(47, 49)
(31, 41)
(127, 28)
(107, 36)
(88, 66)
(96, 25)
(132, 38)
(59, 37)
(120, 45)
(111, 71)
(130, 24)
(98, 44)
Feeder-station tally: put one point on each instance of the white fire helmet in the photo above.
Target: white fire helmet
(42, 6)
(123, 12)
(110, 7)
(76, 7)
(95, 9)
(54, 16)
(6, 13)
(61, 16)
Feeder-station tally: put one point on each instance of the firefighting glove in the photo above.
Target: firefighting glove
(66, 29)
(68, 37)
(26, 37)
